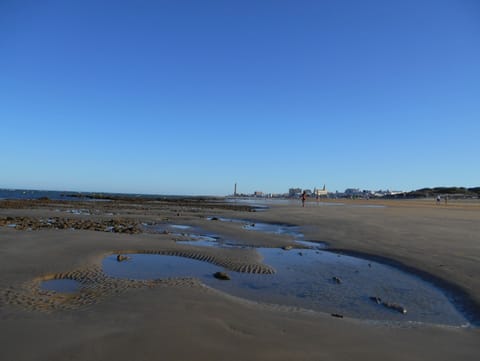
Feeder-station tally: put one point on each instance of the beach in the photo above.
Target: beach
(184, 319)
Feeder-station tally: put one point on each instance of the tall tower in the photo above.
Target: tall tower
(235, 190)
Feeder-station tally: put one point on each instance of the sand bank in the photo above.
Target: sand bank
(182, 319)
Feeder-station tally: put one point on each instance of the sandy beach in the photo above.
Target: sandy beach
(183, 319)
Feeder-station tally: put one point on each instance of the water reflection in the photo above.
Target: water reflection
(309, 279)
(61, 285)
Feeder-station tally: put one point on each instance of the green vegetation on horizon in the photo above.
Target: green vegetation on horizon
(453, 191)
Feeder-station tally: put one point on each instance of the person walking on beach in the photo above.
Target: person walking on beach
(304, 197)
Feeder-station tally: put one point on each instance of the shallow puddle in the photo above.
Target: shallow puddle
(165, 227)
(179, 226)
(151, 266)
(209, 242)
(273, 228)
(328, 282)
(312, 244)
(61, 285)
(310, 279)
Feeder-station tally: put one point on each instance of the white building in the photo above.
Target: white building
(320, 192)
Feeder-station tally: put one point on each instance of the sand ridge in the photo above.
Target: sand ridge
(203, 254)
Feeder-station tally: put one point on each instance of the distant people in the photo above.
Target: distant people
(304, 198)
(446, 200)
(438, 199)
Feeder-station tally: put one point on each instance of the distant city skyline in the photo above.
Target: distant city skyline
(189, 97)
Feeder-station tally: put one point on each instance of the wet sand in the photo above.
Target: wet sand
(181, 319)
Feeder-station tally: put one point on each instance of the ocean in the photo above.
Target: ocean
(84, 196)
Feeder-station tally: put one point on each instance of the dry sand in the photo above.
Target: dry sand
(181, 319)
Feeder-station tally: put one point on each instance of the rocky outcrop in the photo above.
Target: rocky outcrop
(111, 225)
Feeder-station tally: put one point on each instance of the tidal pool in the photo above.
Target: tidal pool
(310, 279)
(273, 228)
(207, 241)
(165, 227)
(61, 285)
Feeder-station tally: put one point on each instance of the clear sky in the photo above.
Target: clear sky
(189, 97)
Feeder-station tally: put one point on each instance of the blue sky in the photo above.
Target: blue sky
(189, 97)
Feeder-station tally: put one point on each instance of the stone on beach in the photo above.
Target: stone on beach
(221, 276)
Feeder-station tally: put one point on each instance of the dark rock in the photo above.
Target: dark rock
(221, 276)
(336, 280)
(392, 306)
(395, 307)
(121, 258)
(337, 315)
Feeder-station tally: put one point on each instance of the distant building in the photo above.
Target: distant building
(353, 192)
(294, 192)
(258, 194)
(320, 192)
